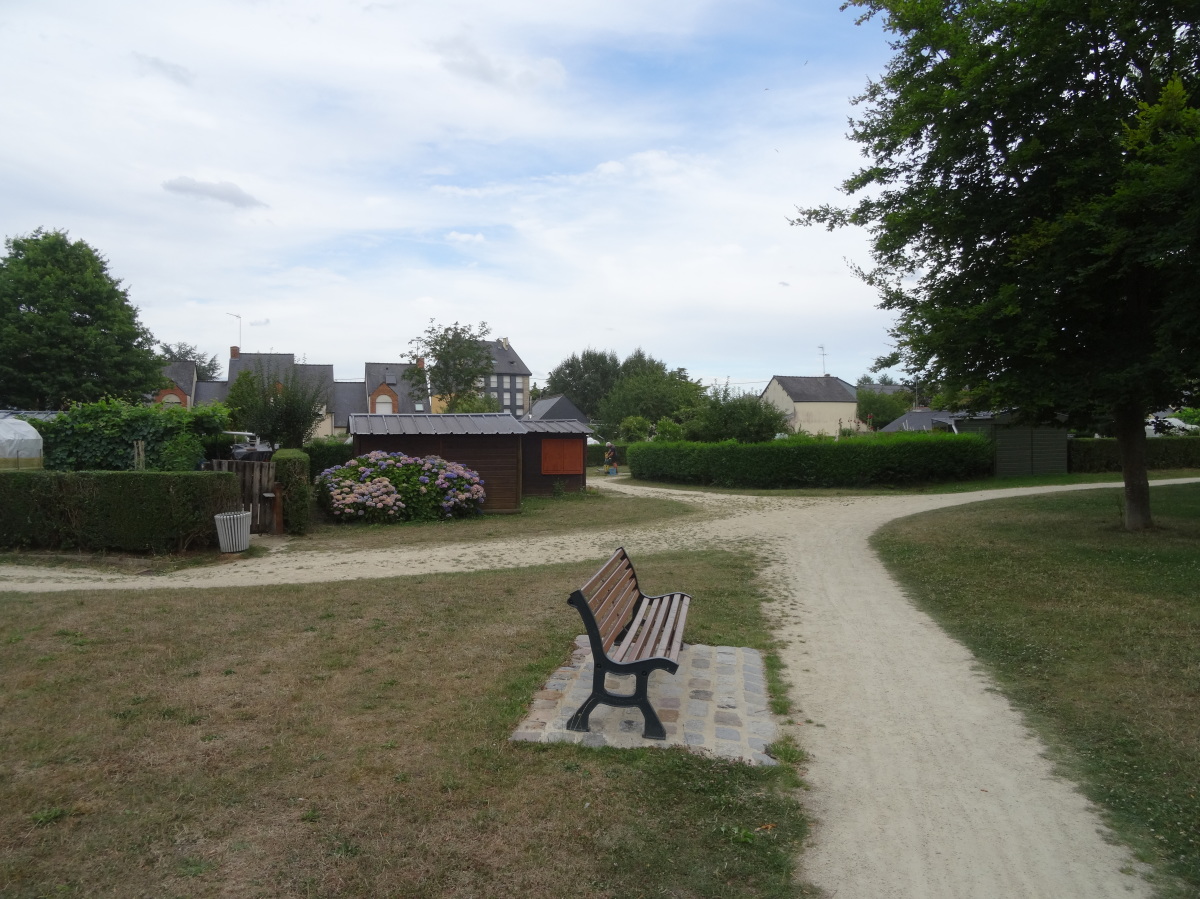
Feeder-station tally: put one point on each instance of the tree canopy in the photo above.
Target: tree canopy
(68, 332)
(1033, 200)
(207, 367)
(282, 407)
(585, 379)
(455, 358)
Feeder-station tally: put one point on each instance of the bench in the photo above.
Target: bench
(630, 633)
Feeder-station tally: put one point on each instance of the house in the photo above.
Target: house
(382, 390)
(509, 380)
(814, 405)
(514, 458)
(556, 407)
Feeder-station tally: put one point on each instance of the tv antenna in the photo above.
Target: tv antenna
(239, 318)
(822, 349)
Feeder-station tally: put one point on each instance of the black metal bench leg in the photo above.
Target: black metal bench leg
(653, 729)
(579, 721)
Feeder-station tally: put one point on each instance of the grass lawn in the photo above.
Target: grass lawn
(1093, 631)
(350, 739)
(993, 483)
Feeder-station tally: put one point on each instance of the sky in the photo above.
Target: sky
(324, 178)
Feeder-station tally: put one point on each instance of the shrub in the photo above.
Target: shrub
(635, 429)
(724, 413)
(100, 436)
(1087, 454)
(388, 487)
(893, 459)
(291, 471)
(136, 511)
(328, 452)
(668, 429)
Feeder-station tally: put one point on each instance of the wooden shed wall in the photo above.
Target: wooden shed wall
(533, 482)
(497, 458)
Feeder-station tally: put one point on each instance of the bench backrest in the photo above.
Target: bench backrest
(612, 594)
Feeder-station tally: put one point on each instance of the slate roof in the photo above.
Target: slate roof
(211, 392)
(183, 375)
(474, 423)
(349, 398)
(918, 420)
(884, 388)
(26, 413)
(506, 360)
(827, 389)
(556, 406)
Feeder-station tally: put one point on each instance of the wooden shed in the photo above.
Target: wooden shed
(1021, 449)
(488, 442)
(554, 452)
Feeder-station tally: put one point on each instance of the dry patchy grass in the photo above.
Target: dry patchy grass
(351, 740)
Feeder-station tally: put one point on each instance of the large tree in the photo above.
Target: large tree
(282, 406)
(450, 362)
(208, 368)
(585, 379)
(67, 330)
(1032, 194)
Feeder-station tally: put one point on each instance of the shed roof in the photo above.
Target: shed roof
(474, 423)
(827, 389)
(556, 426)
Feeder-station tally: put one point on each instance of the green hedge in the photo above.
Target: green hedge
(595, 454)
(1088, 454)
(892, 460)
(328, 452)
(291, 471)
(135, 511)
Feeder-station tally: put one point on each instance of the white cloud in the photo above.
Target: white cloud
(221, 191)
(172, 71)
(458, 237)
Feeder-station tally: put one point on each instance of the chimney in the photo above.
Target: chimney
(504, 342)
(420, 362)
(233, 352)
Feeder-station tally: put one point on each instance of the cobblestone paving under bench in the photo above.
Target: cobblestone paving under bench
(715, 703)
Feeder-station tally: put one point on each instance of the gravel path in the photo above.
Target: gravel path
(926, 783)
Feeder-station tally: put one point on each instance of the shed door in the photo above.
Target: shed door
(562, 456)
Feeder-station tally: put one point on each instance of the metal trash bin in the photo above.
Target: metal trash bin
(233, 531)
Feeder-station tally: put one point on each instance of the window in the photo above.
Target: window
(420, 407)
(562, 456)
(383, 405)
(494, 384)
(507, 398)
(171, 399)
(520, 397)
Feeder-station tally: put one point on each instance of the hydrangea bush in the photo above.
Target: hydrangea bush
(394, 487)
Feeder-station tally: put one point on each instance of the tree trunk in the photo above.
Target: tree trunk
(1130, 427)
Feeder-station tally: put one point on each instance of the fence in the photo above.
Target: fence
(257, 481)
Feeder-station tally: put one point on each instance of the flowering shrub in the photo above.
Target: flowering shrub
(394, 487)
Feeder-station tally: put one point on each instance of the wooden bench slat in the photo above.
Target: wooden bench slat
(617, 617)
(614, 593)
(623, 653)
(651, 626)
(670, 630)
(617, 558)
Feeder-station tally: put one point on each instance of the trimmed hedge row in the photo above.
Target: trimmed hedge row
(133, 511)
(291, 471)
(918, 458)
(1088, 454)
(328, 452)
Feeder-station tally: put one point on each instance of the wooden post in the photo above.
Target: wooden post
(277, 525)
